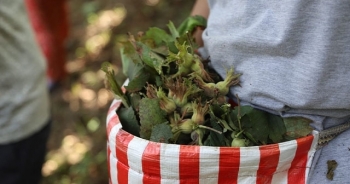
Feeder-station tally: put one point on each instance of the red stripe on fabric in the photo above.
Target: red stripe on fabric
(269, 157)
(112, 122)
(296, 173)
(151, 163)
(189, 164)
(122, 141)
(229, 165)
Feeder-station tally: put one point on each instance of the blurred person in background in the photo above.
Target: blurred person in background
(24, 102)
(295, 61)
(49, 20)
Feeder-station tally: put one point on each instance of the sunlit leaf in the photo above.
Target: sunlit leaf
(131, 61)
(149, 57)
(159, 36)
(173, 30)
(162, 50)
(190, 23)
(113, 84)
(175, 35)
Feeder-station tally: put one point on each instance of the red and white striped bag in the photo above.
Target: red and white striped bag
(135, 160)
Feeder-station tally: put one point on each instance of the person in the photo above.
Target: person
(24, 102)
(294, 57)
(49, 20)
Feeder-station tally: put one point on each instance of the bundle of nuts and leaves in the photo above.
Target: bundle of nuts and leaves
(173, 96)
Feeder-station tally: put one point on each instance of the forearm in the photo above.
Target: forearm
(200, 8)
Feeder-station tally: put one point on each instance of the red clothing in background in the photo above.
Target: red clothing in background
(50, 23)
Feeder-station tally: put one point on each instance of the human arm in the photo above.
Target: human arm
(200, 8)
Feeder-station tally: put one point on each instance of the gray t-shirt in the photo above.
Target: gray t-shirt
(24, 107)
(295, 59)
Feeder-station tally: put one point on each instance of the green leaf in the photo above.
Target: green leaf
(135, 71)
(149, 57)
(150, 115)
(214, 138)
(134, 100)
(131, 61)
(216, 110)
(237, 113)
(128, 120)
(159, 36)
(182, 138)
(251, 138)
(173, 30)
(219, 115)
(113, 84)
(254, 122)
(244, 110)
(159, 81)
(257, 126)
(162, 50)
(190, 23)
(161, 133)
(231, 121)
(138, 82)
(297, 127)
(175, 35)
(277, 128)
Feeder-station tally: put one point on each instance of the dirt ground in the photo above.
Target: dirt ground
(77, 146)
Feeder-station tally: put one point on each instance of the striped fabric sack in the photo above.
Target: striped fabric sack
(134, 160)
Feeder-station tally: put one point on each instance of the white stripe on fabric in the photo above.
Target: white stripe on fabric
(209, 158)
(169, 163)
(126, 82)
(112, 157)
(135, 151)
(113, 168)
(111, 143)
(311, 154)
(249, 164)
(112, 138)
(110, 115)
(113, 103)
(287, 154)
